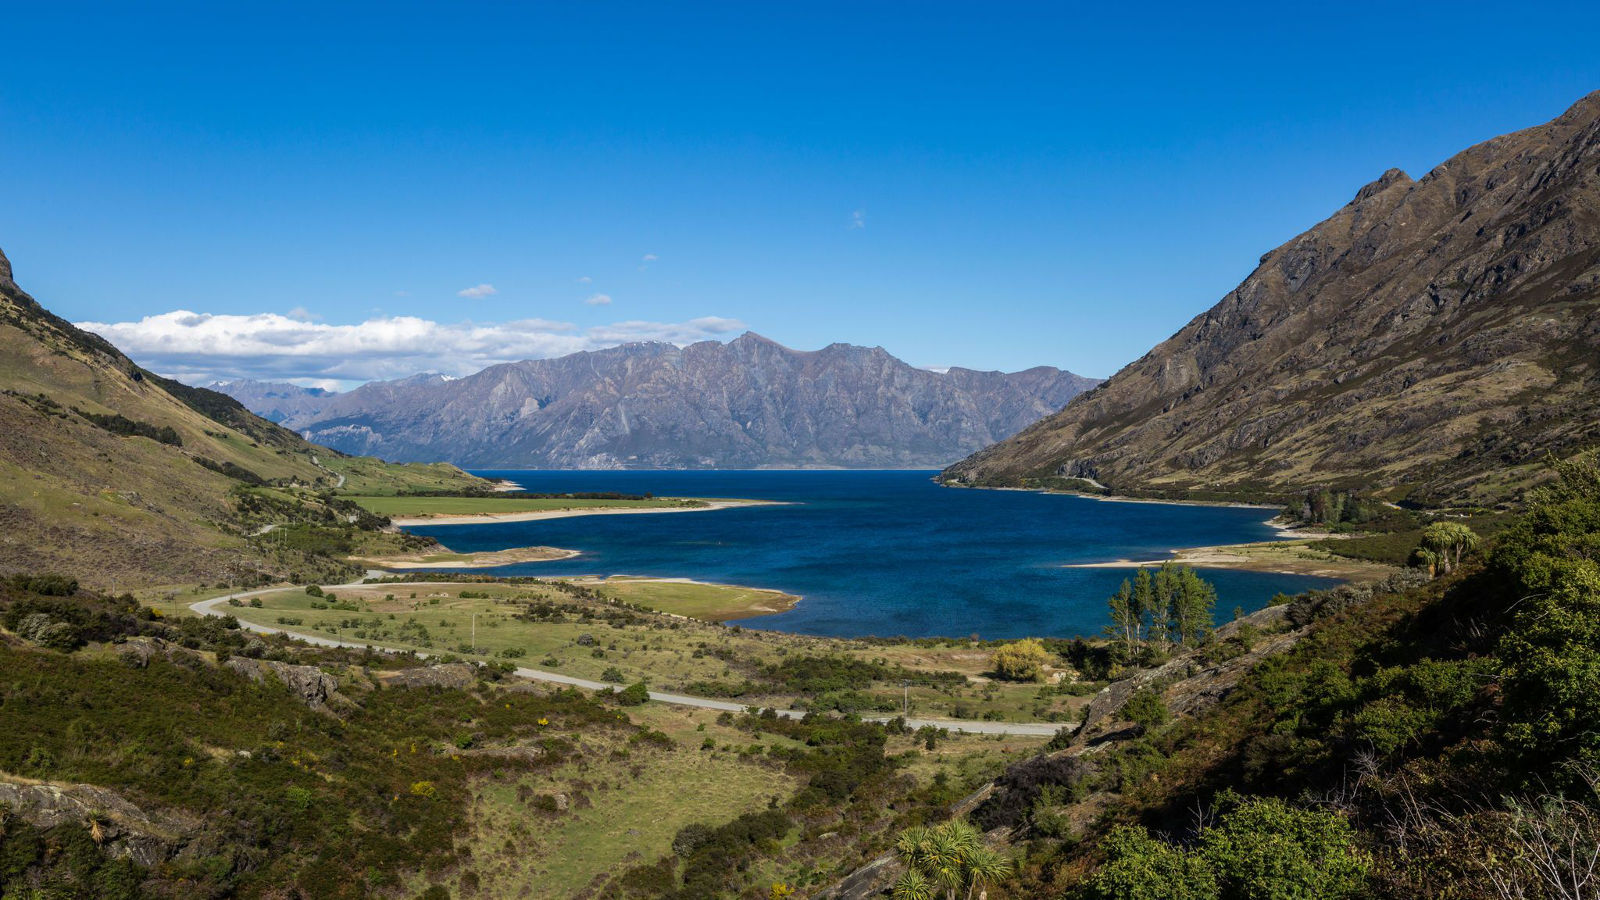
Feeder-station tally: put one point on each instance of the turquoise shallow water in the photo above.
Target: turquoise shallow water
(885, 553)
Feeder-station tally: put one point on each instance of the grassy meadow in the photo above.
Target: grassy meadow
(615, 632)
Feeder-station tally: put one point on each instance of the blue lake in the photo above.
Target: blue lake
(884, 553)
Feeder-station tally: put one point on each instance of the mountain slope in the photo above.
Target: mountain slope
(273, 401)
(745, 404)
(1435, 337)
(111, 472)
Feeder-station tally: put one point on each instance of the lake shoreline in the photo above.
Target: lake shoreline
(537, 515)
(487, 559)
(1292, 556)
(1119, 498)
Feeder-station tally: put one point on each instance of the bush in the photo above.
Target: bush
(1264, 849)
(1139, 867)
(1020, 660)
(1267, 848)
(1146, 709)
(634, 694)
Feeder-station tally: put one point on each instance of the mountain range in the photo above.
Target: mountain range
(1434, 339)
(747, 403)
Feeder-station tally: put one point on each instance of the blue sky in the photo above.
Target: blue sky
(988, 185)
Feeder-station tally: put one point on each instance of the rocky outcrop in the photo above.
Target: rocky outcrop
(458, 676)
(749, 403)
(118, 826)
(1439, 336)
(309, 684)
(1188, 683)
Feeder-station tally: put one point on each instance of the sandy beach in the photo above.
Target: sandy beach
(485, 560)
(535, 515)
(1290, 557)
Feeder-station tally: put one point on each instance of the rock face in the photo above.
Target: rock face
(309, 684)
(749, 403)
(1438, 336)
(120, 827)
(460, 676)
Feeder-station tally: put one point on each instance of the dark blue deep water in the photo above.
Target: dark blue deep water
(885, 553)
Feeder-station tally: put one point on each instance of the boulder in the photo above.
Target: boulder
(461, 676)
(309, 684)
(118, 826)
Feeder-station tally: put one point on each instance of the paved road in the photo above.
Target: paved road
(969, 726)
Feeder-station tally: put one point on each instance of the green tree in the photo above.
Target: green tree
(1163, 606)
(1127, 618)
(1139, 867)
(1448, 541)
(1550, 654)
(1194, 606)
(1020, 660)
(1144, 599)
(949, 859)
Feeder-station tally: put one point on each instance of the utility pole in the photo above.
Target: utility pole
(905, 707)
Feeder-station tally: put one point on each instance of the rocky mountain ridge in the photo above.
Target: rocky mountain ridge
(748, 403)
(1434, 339)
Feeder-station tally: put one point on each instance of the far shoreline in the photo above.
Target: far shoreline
(1291, 556)
(536, 515)
(1116, 498)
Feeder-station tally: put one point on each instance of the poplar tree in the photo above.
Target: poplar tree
(1127, 617)
(1144, 600)
(1194, 606)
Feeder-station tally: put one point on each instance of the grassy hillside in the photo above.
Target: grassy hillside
(1430, 741)
(180, 757)
(124, 477)
(1433, 340)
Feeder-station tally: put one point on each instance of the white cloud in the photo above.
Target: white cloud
(584, 279)
(199, 348)
(599, 300)
(649, 258)
(300, 313)
(858, 219)
(482, 290)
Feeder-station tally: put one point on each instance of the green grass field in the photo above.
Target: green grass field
(471, 506)
(712, 602)
(671, 654)
(625, 801)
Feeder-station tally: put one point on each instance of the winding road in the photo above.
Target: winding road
(966, 726)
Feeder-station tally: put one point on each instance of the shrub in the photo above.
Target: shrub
(1268, 848)
(1139, 867)
(1264, 849)
(634, 694)
(1146, 709)
(1020, 660)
